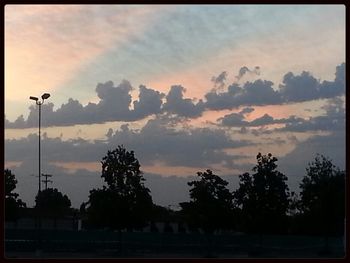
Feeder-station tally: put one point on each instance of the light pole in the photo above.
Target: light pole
(39, 103)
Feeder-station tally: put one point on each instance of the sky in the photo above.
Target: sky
(186, 87)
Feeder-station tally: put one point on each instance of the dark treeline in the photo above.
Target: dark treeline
(262, 204)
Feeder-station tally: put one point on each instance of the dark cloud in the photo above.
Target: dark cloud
(70, 113)
(53, 149)
(194, 147)
(175, 103)
(333, 120)
(340, 74)
(294, 163)
(19, 123)
(156, 141)
(237, 120)
(267, 120)
(150, 102)
(115, 101)
(294, 88)
(263, 120)
(299, 88)
(243, 130)
(275, 140)
(247, 110)
(305, 87)
(244, 70)
(224, 100)
(47, 115)
(114, 105)
(330, 89)
(219, 81)
(259, 92)
(233, 120)
(260, 131)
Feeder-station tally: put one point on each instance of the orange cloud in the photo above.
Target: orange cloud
(284, 111)
(74, 166)
(162, 169)
(9, 165)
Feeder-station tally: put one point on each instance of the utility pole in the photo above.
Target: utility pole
(46, 180)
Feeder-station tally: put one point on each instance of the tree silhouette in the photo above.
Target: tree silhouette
(322, 201)
(211, 206)
(12, 203)
(52, 203)
(263, 197)
(125, 202)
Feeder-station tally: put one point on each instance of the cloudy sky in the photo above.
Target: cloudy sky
(187, 87)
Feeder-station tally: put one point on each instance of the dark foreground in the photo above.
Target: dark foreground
(104, 244)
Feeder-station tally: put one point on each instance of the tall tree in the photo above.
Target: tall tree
(210, 207)
(125, 202)
(263, 197)
(52, 201)
(12, 203)
(323, 198)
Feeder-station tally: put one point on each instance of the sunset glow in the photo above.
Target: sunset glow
(187, 87)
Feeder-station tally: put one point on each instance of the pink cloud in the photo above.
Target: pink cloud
(47, 45)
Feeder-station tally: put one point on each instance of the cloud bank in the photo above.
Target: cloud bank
(161, 140)
(333, 120)
(156, 142)
(115, 101)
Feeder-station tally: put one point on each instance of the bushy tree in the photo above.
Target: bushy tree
(263, 197)
(125, 202)
(12, 203)
(52, 203)
(322, 203)
(121, 171)
(210, 207)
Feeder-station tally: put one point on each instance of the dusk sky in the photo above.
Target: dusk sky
(187, 87)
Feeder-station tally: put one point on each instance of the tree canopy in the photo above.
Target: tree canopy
(12, 202)
(263, 197)
(210, 207)
(322, 194)
(52, 202)
(125, 202)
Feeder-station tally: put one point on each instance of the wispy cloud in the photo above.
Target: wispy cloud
(47, 45)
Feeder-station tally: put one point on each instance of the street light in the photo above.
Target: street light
(39, 103)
